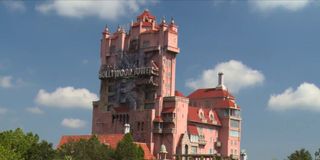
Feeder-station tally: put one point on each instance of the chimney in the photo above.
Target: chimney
(220, 81)
(126, 128)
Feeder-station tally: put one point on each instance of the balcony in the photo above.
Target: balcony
(169, 130)
(157, 130)
(168, 119)
(202, 140)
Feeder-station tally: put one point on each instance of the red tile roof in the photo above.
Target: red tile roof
(146, 13)
(225, 103)
(147, 153)
(193, 115)
(107, 139)
(210, 93)
(192, 129)
(178, 93)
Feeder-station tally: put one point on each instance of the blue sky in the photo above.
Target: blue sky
(268, 50)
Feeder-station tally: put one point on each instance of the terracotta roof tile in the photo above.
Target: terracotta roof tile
(178, 93)
(192, 129)
(225, 104)
(210, 93)
(146, 13)
(107, 139)
(193, 115)
(145, 148)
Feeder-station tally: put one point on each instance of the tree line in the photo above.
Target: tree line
(17, 145)
(304, 154)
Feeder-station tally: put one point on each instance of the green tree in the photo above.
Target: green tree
(90, 149)
(25, 146)
(317, 155)
(127, 150)
(301, 154)
(40, 151)
(6, 154)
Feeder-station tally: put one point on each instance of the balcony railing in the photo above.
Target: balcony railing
(202, 140)
(157, 130)
(169, 130)
(168, 119)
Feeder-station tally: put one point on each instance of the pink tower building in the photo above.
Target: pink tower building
(137, 76)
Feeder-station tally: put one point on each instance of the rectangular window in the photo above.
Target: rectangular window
(234, 133)
(235, 123)
(235, 113)
(148, 106)
(193, 150)
(194, 138)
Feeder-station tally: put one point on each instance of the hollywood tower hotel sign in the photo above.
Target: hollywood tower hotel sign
(137, 76)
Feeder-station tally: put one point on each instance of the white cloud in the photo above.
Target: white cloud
(67, 97)
(10, 82)
(305, 97)
(85, 61)
(108, 9)
(236, 76)
(3, 110)
(15, 5)
(6, 81)
(34, 110)
(269, 5)
(73, 123)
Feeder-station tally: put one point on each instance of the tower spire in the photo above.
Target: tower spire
(106, 29)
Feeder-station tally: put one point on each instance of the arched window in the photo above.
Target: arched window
(201, 114)
(186, 147)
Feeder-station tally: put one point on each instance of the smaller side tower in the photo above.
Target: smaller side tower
(229, 114)
(222, 102)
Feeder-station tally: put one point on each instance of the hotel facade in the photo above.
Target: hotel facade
(137, 73)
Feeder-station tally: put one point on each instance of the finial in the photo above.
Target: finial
(106, 29)
(146, 10)
(119, 28)
(163, 20)
(131, 22)
(172, 20)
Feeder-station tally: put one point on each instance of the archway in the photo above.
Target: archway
(186, 147)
